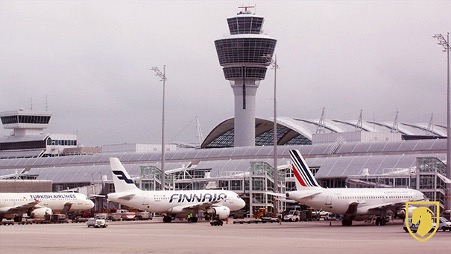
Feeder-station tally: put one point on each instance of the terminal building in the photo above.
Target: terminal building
(338, 159)
(238, 154)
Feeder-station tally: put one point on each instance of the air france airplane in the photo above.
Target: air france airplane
(354, 203)
(38, 204)
(171, 203)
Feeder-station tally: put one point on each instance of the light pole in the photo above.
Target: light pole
(273, 63)
(445, 43)
(162, 75)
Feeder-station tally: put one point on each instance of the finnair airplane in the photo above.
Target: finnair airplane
(171, 203)
(354, 203)
(38, 204)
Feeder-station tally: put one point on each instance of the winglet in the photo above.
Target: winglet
(121, 179)
(301, 171)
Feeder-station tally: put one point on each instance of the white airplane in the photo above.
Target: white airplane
(38, 204)
(171, 203)
(353, 203)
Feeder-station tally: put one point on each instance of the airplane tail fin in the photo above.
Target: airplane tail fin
(121, 179)
(301, 171)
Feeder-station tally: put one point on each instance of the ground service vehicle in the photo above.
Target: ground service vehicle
(444, 224)
(292, 215)
(96, 223)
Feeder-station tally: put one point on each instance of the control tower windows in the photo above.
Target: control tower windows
(25, 119)
(245, 25)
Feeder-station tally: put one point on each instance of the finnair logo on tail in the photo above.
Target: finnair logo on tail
(121, 176)
(301, 170)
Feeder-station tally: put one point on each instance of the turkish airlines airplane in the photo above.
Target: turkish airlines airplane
(171, 203)
(354, 203)
(38, 204)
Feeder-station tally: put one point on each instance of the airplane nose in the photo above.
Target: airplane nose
(90, 204)
(242, 203)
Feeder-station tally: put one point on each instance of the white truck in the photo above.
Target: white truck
(293, 215)
(96, 223)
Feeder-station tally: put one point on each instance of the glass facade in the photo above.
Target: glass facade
(236, 51)
(262, 139)
(25, 119)
(37, 144)
(245, 25)
(61, 142)
(254, 73)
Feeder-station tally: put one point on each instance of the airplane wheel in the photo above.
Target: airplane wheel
(346, 222)
(167, 219)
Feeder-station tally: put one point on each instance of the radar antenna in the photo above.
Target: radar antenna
(246, 11)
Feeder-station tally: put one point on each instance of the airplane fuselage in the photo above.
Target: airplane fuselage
(339, 200)
(54, 201)
(171, 201)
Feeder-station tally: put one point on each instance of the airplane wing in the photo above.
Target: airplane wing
(20, 208)
(123, 195)
(281, 196)
(296, 195)
(196, 206)
(352, 209)
(386, 206)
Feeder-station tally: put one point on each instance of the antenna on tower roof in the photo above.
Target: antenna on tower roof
(246, 11)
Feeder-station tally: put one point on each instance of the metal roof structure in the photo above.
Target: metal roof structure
(296, 131)
(350, 158)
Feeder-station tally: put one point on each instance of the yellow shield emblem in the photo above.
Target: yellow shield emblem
(423, 222)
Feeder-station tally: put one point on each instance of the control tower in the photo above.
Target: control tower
(25, 123)
(244, 55)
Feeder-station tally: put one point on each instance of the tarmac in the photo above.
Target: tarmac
(140, 237)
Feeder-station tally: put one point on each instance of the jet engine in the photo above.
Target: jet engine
(402, 213)
(41, 212)
(222, 212)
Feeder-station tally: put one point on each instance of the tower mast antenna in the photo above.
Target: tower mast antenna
(246, 11)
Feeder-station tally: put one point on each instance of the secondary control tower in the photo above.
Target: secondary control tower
(244, 55)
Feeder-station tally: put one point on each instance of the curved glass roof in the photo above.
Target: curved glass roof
(295, 131)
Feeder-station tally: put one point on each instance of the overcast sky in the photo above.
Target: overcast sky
(92, 61)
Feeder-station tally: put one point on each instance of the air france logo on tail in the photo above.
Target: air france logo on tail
(301, 171)
(121, 176)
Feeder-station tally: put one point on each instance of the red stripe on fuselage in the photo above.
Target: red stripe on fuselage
(298, 176)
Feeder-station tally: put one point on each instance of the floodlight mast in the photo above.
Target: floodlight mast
(445, 44)
(162, 75)
(273, 64)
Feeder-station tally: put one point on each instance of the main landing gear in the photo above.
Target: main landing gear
(215, 221)
(381, 221)
(167, 219)
(346, 222)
